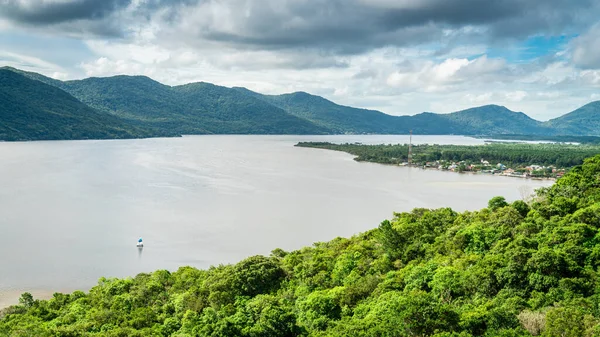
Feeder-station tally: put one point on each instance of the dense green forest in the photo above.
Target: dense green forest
(204, 108)
(32, 110)
(526, 268)
(555, 139)
(512, 155)
(582, 121)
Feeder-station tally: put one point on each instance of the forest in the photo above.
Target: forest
(509, 154)
(513, 269)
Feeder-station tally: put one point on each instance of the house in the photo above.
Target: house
(534, 168)
(508, 172)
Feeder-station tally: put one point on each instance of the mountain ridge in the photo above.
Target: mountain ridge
(26, 114)
(206, 108)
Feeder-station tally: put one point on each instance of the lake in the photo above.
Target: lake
(72, 211)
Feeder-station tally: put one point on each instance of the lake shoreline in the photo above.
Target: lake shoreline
(465, 172)
(9, 298)
(179, 193)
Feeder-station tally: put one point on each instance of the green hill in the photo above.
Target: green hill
(196, 108)
(583, 121)
(516, 269)
(495, 119)
(204, 108)
(488, 119)
(226, 110)
(32, 110)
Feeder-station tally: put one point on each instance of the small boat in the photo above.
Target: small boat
(140, 244)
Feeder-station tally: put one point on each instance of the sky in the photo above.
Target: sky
(402, 57)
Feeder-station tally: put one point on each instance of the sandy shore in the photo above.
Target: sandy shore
(11, 297)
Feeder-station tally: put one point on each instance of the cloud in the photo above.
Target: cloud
(436, 77)
(586, 49)
(397, 56)
(27, 62)
(339, 26)
(42, 12)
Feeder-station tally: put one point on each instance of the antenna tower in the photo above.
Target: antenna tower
(410, 149)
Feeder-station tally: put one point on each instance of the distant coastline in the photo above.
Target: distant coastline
(547, 161)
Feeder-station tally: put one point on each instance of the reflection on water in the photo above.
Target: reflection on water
(201, 201)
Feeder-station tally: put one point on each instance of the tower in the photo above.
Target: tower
(410, 149)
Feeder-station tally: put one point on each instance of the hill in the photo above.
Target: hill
(196, 108)
(495, 119)
(488, 119)
(204, 108)
(338, 118)
(517, 269)
(32, 110)
(583, 121)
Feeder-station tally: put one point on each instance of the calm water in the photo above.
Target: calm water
(71, 211)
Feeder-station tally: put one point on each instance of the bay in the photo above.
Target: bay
(71, 211)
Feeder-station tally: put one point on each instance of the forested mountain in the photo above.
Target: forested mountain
(204, 108)
(489, 119)
(495, 119)
(583, 121)
(32, 110)
(197, 108)
(520, 269)
(338, 118)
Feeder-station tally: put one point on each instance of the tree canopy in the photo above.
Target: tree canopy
(510, 270)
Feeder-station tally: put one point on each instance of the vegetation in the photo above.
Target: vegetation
(32, 110)
(582, 121)
(511, 155)
(556, 139)
(344, 119)
(204, 108)
(526, 268)
(197, 108)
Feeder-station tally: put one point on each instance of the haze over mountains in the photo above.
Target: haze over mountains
(35, 107)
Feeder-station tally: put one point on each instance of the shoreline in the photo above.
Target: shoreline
(479, 173)
(11, 297)
(465, 172)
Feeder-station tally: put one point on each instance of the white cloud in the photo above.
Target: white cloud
(516, 96)
(267, 47)
(436, 77)
(586, 49)
(27, 62)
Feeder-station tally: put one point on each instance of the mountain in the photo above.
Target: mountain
(196, 108)
(488, 119)
(204, 108)
(495, 119)
(226, 110)
(583, 121)
(32, 110)
(338, 118)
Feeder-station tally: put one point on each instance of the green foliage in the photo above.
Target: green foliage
(510, 270)
(148, 108)
(32, 110)
(343, 119)
(512, 155)
(197, 108)
(583, 121)
(497, 202)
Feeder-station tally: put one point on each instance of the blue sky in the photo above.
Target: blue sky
(397, 56)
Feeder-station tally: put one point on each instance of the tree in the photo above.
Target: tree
(497, 202)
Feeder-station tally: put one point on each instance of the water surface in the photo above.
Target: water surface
(71, 211)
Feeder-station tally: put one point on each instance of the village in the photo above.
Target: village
(484, 166)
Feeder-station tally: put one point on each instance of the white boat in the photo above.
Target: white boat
(140, 243)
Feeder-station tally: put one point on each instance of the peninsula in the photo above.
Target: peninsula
(508, 159)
